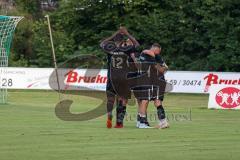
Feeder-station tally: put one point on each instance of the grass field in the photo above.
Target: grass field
(31, 131)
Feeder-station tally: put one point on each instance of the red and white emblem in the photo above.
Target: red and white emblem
(228, 97)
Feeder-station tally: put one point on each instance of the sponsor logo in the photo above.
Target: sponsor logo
(228, 97)
(117, 53)
(214, 79)
(74, 77)
(11, 72)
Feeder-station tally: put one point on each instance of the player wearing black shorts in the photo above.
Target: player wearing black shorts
(118, 51)
(156, 67)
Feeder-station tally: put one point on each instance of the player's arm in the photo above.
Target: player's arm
(149, 52)
(137, 64)
(108, 39)
(135, 42)
(162, 68)
(124, 30)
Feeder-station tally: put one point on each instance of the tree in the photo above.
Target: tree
(195, 35)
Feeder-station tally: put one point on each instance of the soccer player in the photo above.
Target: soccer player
(153, 93)
(118, 51)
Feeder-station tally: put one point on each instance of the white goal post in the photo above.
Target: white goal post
(7, 28)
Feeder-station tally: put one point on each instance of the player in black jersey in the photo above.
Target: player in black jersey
(153, 61)
(118, 51)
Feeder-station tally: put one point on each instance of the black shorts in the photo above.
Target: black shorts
(120, 88)
(119, 81)
(150, 93)
(109, 88)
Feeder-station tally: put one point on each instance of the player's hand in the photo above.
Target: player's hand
(123, 30)
(161, 69)
(165, 66)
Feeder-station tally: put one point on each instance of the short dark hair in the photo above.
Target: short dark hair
(156, 45)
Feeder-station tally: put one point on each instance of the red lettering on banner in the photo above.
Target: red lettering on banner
(99, 79)
(211, 79)
(221, 81)
(234, 82)
(87, 79)
(80, 78)
(105, 80)
(93, 79)
(229, 82)
(72, 77)
(214, 79)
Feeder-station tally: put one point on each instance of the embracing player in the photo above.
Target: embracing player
(119, 47)
(152, 59)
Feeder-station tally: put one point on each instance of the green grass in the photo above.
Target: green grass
(29, 130)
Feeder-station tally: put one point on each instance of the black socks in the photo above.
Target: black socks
(110, 103)
(121, 111)
(142, 119)
(161, 112)
(109, 109)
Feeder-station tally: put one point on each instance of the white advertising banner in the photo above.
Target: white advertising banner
(38, 78)
(224, 97)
